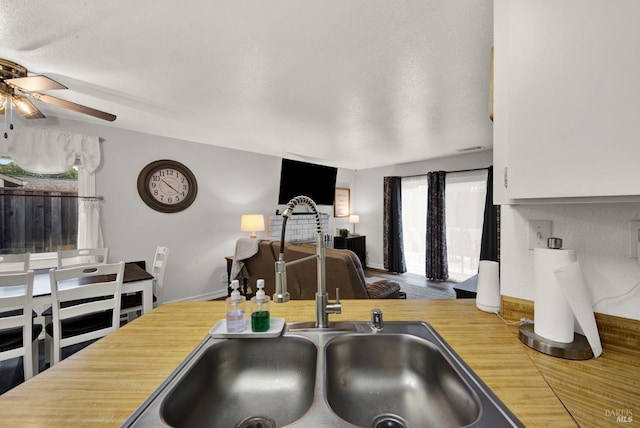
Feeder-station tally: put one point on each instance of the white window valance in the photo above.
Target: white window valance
(51, 152)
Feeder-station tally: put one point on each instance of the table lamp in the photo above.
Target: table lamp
(354, 219)
(252, 223)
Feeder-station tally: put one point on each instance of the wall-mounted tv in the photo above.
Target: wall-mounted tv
(318, 182)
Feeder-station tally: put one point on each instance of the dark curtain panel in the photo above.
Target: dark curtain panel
(490, 244)
(436, 248)
(393, 251)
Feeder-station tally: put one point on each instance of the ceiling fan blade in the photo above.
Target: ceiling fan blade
(73, 106)
(26, 108)
(34, 83)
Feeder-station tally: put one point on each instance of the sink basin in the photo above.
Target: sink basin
(245, 382)
(346, 376)
(382, 379)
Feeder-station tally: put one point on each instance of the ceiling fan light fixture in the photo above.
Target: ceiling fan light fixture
(15, 77)
(10, 70)
(26, 108)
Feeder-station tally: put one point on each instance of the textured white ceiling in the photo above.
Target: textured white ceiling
(349, 83)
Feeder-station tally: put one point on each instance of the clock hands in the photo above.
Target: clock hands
(170, 186)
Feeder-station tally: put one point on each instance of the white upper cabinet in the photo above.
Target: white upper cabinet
(566, 99)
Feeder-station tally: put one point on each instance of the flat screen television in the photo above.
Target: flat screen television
(318, 182)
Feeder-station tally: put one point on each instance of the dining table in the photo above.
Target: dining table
(135, 279)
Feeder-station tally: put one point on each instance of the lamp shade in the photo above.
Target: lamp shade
(252, 223)
(354, 219)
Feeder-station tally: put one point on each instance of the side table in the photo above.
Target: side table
(357, 244)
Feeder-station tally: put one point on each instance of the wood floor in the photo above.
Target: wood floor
(417, 286)
(407, 278)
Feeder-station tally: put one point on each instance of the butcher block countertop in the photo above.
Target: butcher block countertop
(107, 381)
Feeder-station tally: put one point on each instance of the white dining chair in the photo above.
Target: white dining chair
(85, 304)
(132, 303)
(14, 262)
(82, 257)
(18, 333)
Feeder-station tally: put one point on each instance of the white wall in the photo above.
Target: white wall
(368, 199)
(230, 183)
(600, 235)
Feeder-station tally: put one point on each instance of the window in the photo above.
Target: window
(465, 198)
(38, 212)
(414, 222)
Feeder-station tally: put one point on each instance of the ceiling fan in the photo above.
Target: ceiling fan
(13, 77)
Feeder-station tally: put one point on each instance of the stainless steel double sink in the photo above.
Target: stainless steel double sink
(349, 375)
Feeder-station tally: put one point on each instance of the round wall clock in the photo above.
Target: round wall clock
(167, 186)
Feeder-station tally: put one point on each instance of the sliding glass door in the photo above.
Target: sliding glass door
(414, 222)
(465, 194)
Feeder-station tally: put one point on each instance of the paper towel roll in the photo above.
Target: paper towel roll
(571, 283)
(488, 291)
(552, 315)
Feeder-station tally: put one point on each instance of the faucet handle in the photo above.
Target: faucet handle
(335, 307)
(376, 319)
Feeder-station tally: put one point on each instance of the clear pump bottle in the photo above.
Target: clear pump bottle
(260, 317)
(236, 321)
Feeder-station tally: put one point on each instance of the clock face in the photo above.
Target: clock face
(167, 186)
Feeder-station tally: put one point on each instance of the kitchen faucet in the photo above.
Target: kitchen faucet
(281, 295)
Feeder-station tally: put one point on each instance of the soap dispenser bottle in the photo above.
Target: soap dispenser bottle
(236, 322)
(260, 309)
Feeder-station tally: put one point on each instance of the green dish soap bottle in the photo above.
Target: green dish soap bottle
(260, 309)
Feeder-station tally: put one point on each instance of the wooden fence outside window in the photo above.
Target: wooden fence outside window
(37, 221)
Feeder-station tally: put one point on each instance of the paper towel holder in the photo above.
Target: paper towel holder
(579, 349)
